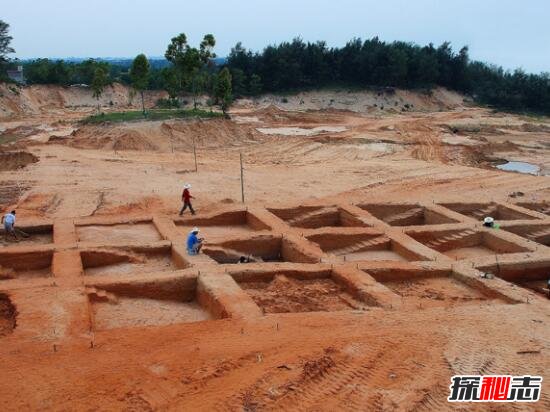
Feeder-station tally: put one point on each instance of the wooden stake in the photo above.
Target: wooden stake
(195, 154)
(242, 177)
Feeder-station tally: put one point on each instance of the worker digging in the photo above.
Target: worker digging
(9, 225)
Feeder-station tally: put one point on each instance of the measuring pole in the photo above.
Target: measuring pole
(242, 177)
(195, 154)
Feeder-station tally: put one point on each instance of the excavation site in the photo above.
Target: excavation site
(344, 250)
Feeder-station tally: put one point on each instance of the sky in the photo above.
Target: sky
(509, 33)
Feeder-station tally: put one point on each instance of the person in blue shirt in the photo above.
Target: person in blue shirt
(194, 243)
(9, 224)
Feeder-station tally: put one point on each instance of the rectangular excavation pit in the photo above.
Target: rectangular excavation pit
(23, 265)
(536, 233)
(466, 243)
(155, 303)
(541, 207)
(227, 224)
(406, 215)
(30, 236)
(530, 275)
(264, 248)
(122, 261)
(142, 232)
(294, 291)
(364, 247)
(316, 217)
(480, 211)
(425, 288)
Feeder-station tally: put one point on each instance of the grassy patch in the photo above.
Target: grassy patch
(156, 114)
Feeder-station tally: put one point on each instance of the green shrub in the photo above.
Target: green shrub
(168, 103)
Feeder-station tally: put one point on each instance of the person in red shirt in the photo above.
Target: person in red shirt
(186, 198)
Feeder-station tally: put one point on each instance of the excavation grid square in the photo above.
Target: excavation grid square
(363, 247)
(145, 304)
(406, 215)
(230, 224)
(480, 211)
(118, 233)
(530, 275)
(537, 207)
(316, 217)
(23, 265)
(107, 261)
(431, 288)
(536, 233)
(296, 292)
(28, 236)
(467, 243)
(257, 249)
(218, 232)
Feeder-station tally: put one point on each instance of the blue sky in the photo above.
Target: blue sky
(506, 32)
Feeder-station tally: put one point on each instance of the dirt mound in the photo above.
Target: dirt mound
(209, 133)
(367, 101)
(133, 141)
(16, 101)
(534, 128)
(177, 135)
(109, 138)
(16, 160)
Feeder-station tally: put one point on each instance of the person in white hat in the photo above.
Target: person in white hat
(489, 222)
(194, 243)
(186, 199)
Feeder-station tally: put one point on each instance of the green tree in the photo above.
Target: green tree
(170, 82)
(139, 74)
(5, 48)
(255, 85)
(99, 82)
(86, 70)
(239, 82)
(175, 54)
(222, 89)
(199, 80)
(187, 60)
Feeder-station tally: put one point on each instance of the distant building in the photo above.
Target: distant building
(17, 75)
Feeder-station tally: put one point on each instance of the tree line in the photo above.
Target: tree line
(191, 71)
(298, 65)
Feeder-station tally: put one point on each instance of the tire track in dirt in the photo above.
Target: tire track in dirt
(480, 356)
(335, 380)
(320, 376)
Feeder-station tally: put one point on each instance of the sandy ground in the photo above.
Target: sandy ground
(332, 147)
(364, 162)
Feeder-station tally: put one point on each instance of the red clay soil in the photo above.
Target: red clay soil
(284, 294)
(153, 351)
(436, 291)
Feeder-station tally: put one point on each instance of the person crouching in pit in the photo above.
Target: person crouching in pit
(194, 243)
(9, 225)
